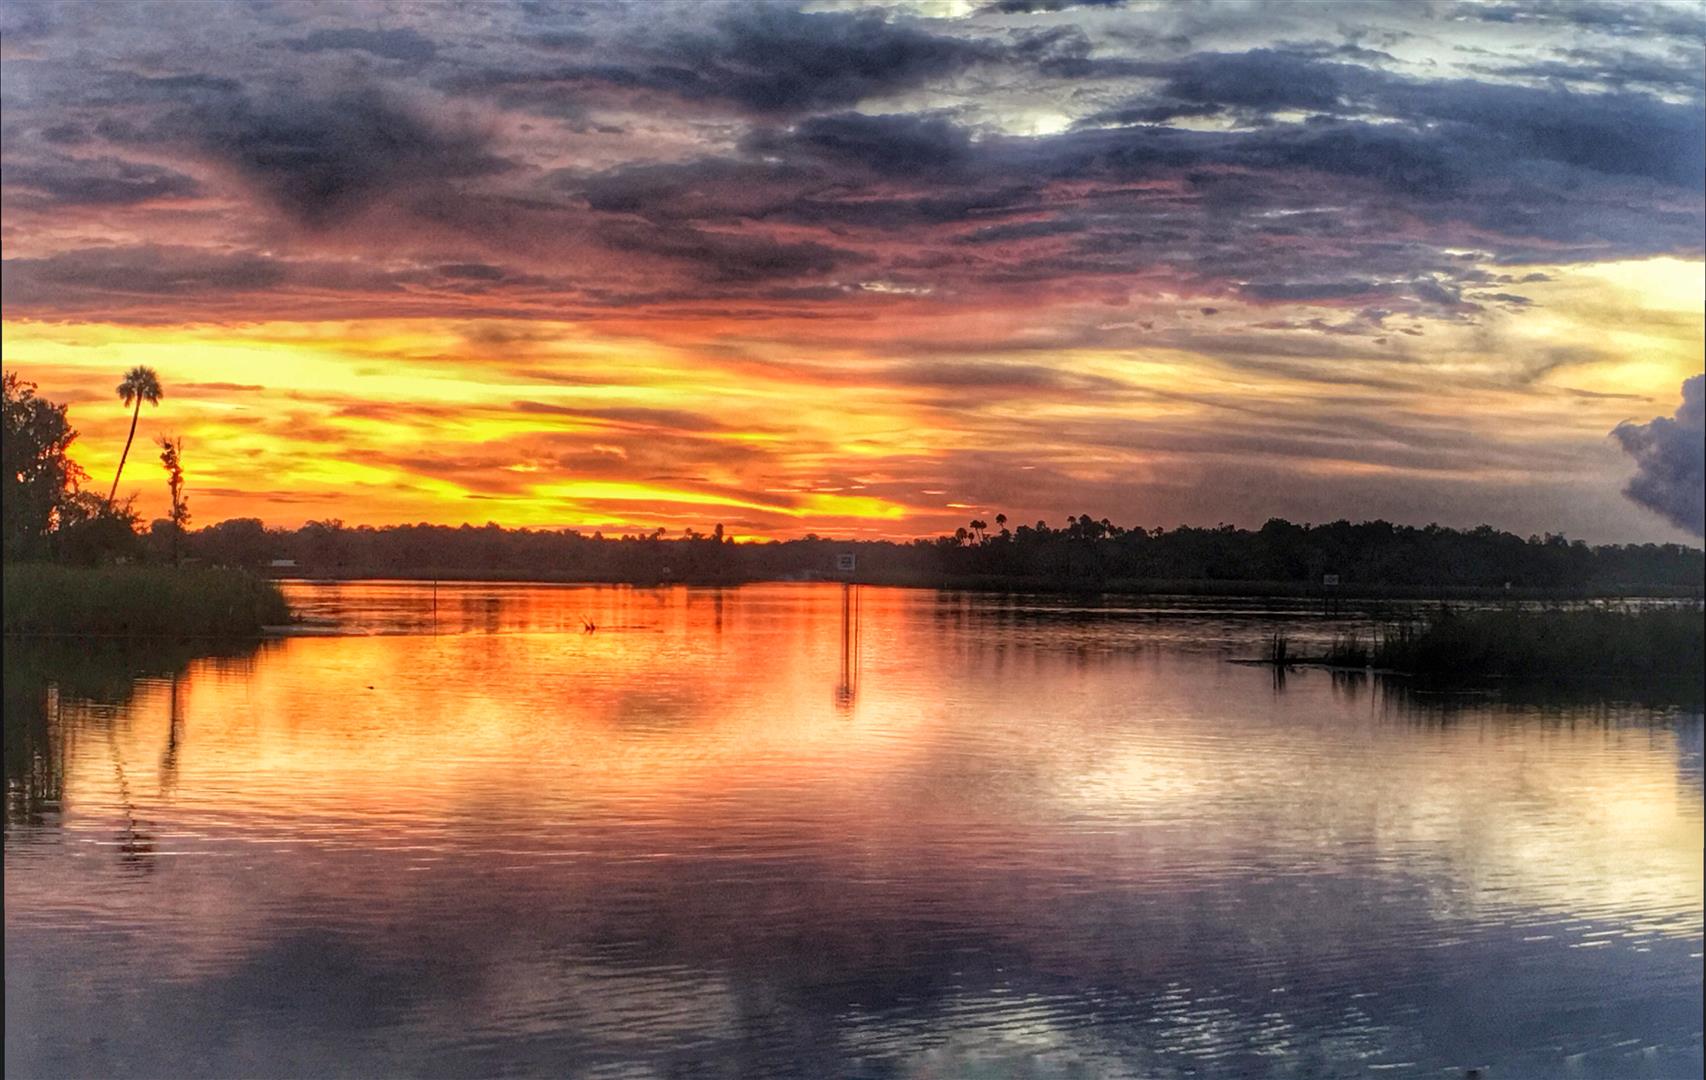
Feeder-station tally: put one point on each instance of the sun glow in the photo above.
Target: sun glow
(698, 421)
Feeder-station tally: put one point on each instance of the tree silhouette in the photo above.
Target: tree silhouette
(171, 457)
(38, 476)
(1087, 554)
(139, 383)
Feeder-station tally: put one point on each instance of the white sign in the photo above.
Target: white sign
(1330, 581)
(844, 563)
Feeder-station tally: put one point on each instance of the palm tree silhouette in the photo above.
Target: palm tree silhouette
(139, 383)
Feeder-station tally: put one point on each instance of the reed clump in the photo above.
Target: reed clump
(139, 601)
(1554, 644)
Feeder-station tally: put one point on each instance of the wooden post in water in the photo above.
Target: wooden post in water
(848, 687)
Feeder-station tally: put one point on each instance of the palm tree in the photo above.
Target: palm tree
(139, 383)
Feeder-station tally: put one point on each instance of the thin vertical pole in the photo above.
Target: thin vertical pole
(846, 599)
(857, 627)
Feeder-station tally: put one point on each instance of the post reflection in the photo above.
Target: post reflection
(174, 737)
(847, 687)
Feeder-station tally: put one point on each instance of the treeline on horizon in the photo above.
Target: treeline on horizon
(49, 516)
(1084, 553)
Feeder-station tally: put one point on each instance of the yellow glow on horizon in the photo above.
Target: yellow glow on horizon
(692, 421)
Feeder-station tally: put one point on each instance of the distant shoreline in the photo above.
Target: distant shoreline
(994, 584)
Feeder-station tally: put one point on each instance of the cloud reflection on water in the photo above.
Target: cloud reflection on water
(663, 845)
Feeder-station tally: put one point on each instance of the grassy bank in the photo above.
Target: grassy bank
(1586, 645)
(138, 601)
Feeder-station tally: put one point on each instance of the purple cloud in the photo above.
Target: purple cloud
(1670, 457)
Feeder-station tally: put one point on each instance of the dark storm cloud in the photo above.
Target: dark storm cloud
(772, 186)
(104, 181)
(1214, 206)
(319, 157)
(705, 189)
(1499, 159)
(321, 160)
(765, 58)
(1618, 134)
(1412, 164)
(148, 270)
(1264, 79)
(729, 257)
(94, 277)
(1670, 460)
(903, 213)
(1471, 125)
(774, 59)
(139, 282)
(902, 145)
(404, 44)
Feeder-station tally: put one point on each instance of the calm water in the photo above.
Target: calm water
(730, 833)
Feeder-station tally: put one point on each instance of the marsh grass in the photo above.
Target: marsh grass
(1349, 650)
(139, 601)
(1556, 645)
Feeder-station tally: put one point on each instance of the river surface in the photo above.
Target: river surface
(782, 831)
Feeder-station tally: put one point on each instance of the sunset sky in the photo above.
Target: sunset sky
(870, 270)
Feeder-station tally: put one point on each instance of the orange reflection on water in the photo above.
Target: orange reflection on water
(686, 708)
(689, 787)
